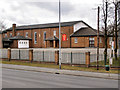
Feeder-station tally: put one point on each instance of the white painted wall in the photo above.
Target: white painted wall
(78, 26)
(23, 43)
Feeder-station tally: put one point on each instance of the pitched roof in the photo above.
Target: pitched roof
(86, 31)
(6, 39)
(19, 38)
(52, 38)
(48, 25)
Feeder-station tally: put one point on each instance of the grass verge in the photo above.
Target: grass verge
(66, 67)
(101, 63)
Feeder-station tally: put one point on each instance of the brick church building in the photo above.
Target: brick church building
(78, 35)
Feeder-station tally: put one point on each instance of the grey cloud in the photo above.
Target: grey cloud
(66, 7)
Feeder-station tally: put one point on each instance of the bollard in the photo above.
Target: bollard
(87, 59)
(9, 54)
(31, 55)
(57, 57)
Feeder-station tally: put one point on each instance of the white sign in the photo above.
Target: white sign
(23, 43)
(112, 45)
(110, 61)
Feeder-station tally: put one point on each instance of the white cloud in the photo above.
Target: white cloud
(26, 12)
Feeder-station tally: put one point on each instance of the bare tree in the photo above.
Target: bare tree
(116, 27)
(105, 22)
(110, 23)
(2, 25)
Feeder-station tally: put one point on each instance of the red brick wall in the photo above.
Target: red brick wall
(84, 42)
(14, 44)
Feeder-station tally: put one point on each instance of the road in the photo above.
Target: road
(30, 79)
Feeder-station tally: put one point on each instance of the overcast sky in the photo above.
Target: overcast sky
(26, 12)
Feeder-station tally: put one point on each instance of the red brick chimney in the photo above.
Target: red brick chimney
(13, 30)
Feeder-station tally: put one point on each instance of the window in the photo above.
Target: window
(100, 39)
(26, 34)
(5, 35)
(54, 33)
(44, 36)
(10, 34)
(91, 42)
(18, 34)
(35, 37)
(76, 40)
(110, 40)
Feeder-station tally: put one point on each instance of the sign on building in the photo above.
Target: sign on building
(23, 43)
(64, 37)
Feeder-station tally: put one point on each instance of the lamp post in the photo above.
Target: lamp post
(59, 36)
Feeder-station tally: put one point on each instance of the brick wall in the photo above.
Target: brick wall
(1, 45)
(84, 42)
(81, 42)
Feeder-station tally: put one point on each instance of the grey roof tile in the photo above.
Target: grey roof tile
(86, 31)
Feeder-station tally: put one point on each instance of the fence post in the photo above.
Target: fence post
(43, 56)
(9, 54)
(57, 57)
(71, 58)
(87, 59)
(31, 55)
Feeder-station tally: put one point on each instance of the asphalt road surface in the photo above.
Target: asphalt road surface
(30, 79)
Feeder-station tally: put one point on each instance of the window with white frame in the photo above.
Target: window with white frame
(75, 40)
(91, 41)
(26, 34)
(100, 39)
(54, 33)
(35, 37)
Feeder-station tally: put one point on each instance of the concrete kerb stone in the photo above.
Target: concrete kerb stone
(66, 72)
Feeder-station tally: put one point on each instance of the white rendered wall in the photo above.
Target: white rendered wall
(23, 43)
(78, 26)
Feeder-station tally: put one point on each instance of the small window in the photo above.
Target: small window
(54, 33)
(35, 37)
(5, 35)
(10, 34)
(100, 39)
(44, 35)
(76, 40)
(26, 34)
(18, 34)
(91, 42)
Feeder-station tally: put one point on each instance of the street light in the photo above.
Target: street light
(59, 36)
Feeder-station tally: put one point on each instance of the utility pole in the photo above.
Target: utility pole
(116, 30)
(98, 39)
(105, 52)
(59, 36)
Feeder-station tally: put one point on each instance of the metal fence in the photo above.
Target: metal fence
(3, 53)
(21, 54)
(49, 56)
(73, 58)
(45, 56)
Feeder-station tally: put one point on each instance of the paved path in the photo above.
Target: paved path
(30, 79)
(68, 72)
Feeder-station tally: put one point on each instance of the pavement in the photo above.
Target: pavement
(66, 72)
